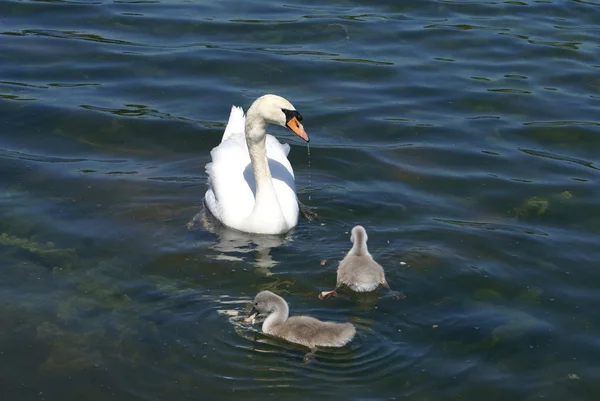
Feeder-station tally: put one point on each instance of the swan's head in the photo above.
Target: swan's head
(359, 235)
(264, 303)
(277, 110)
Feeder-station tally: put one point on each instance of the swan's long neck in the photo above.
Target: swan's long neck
(256, 138)
(278, 316)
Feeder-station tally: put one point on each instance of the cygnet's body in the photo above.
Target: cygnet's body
(304, 330)
(358, 270)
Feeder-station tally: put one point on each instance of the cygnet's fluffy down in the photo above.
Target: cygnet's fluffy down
(358, 270)
(304, 330)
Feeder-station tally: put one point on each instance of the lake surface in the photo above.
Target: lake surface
(464, 135)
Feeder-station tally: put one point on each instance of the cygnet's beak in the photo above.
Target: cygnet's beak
(253, 313)
(298, 129)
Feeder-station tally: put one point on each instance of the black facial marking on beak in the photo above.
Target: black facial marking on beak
(293, 119)
(289, 114)
(253, 311)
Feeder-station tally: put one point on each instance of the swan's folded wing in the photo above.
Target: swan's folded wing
(231, 194)
(236, 124)
(285, 148)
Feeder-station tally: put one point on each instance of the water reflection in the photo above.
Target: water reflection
(231, 242)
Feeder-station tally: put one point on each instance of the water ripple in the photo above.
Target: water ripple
(555, 156)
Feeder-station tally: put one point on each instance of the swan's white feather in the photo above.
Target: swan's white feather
(236, 123)
(230, 197)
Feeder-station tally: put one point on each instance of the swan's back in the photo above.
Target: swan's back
(312, 332)
(360, 273)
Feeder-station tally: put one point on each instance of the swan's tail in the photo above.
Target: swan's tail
(236, 123)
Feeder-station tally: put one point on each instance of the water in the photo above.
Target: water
(464, 135)
(309, 179)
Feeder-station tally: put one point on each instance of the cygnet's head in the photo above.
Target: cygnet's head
(359, 235)
(264, 303)
(278, 110)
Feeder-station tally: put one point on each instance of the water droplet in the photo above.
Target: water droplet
(309, 179)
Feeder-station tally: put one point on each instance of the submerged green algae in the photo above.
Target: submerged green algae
(537, 206)
(77, 327)
(45, 253)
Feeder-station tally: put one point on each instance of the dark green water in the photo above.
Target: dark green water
(464, 135)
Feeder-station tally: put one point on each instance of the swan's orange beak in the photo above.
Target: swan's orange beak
(298, 129)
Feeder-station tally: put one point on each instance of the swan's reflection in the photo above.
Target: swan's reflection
(232, 242)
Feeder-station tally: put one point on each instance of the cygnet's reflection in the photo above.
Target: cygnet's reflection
(231, 242)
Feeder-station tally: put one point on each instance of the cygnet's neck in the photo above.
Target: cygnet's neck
(359, 247)
(279, 314)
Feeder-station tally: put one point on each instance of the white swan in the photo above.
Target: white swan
(251, 181)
